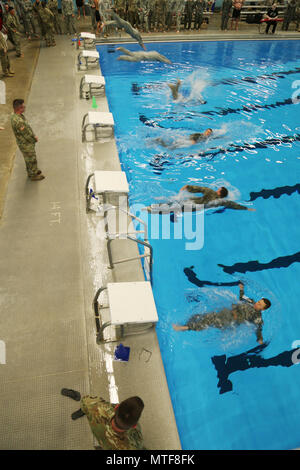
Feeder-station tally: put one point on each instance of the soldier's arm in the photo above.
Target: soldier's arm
(195, 189)
(235, 205)
(259, 335)
(241, 286)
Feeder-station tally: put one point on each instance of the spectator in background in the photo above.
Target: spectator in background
(226, 10)
(289, 14)
(236, 13)
(271, 16)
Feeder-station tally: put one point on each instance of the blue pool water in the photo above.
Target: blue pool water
(228, 391)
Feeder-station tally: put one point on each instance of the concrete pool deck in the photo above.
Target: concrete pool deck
(55, 261)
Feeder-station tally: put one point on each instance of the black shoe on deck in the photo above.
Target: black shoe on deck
(77, 414)
(68, 392)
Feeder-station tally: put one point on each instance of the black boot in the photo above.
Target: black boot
(68, 392)
(77, 414)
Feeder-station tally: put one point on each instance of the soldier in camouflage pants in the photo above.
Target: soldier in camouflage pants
(53, 5)
(68, 15)
(4, 57)
(160, 14)
(115, 426)
(13, 28)
(29, 24)
(26, 140)
(47, 20)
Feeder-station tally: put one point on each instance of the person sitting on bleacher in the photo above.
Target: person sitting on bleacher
(271, 16)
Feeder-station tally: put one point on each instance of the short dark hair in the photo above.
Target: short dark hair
(267, 303)
(209, 129)
(128, 412)
(17, 103)
(11, 8)
(223, 192)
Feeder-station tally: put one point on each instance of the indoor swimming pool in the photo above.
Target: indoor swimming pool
(228, 390)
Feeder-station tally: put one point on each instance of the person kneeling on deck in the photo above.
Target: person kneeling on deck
(115, 426)
(210, 199)
(26, 140)
(245, 311)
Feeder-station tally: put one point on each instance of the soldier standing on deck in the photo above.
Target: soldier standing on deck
(199, 7)
(115, 426)
(188, 14)
(26, 140)
(7, 72)
(13, 27)
(226, 11)
(170, 11)
(37, 6)
(180, 5)
(93, 13)
(67, 9)
(47, 20)
(160, 14)
(53, 7)
(289, 14)
(29, 24)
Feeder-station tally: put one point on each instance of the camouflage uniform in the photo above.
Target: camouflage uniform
(143, 12)
(200, 7)
(297, 15)
(29, 25)
(52, 5)
(180, 6)
(3, 55)
(226, 10)
(13, 28)
(151, 14)
(68, 13)
(160, 13)
(188, 14)
(37, 6)
(100, 413)
(120, 7)
(210, 196)
(238, 314)
(47, 20)
(92, 13)
(170, 11)
(26, 142)
(132, 12)
(289, 14)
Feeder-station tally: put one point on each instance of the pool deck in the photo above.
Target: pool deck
(55, 259)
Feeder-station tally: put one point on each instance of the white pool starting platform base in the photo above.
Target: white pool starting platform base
(105, 183)
(87, 59)
(87, 40)
(131, 307)
(99, 124)
(91, 85)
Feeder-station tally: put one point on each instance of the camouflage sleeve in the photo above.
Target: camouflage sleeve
(259, 323)
(197, 189)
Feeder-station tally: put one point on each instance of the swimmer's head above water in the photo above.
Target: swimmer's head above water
(222, 192)
(197, 137)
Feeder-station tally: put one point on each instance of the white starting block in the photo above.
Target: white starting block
(129, 303)
(106, 182)
(89, 57)
(97, 123)
(91, 85)
(88, 40)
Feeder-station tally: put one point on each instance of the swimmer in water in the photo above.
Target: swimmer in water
(246, 311)
(209, 199)
(192, 140)
(174, 90)
(138, 56)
